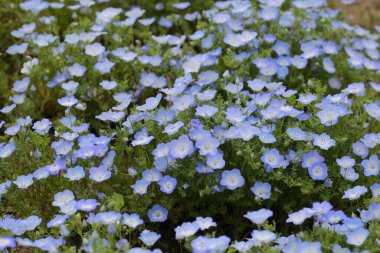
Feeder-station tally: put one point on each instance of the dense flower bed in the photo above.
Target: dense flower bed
(201, 126)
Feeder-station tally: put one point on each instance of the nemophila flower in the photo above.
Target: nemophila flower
(216, 161)
(183, 103)
(203, 168)
(142, 138)
(86, 205)
(299, 217)
(207, 77)
(357, 237)
(243, 246)
(186, 230)
(307, 98)
(111, 116)
(260, 216)
(4, 187)
(272, 158)
(232, 179)
(349, 174)
(296, 134)
(281, 48)
(193, 64)
(346, 162)
(269, 13)
(164, 116)
(318, 171)
(12, 130)
(360, 149)
(261, 190)
(355, 193)
(63, 198)
(149, 238)
(375, 189)
(151, 103)
(42, 127)
(263, 236)
(311, 158)
(171, 129)
(310, 247)
(373, 109)
(76, 70)
(8, 109)
(141, 186)
(167, 184)
(21, 85)
(57, 221)
(7, 149)
(108, 85)
(320, 208)
(323, 141)
(208, 146)
(107, 218)
(99, 174)
(131, 220)
(104, 66)
(95, 49)
(371, 166)
(62, 147)
(206, 111)
(234, 115)
(266, 66)
(41, 173)
(157, 214)
(24, 182)
(75, 173)
(7, 242)
(181, 147)
(205, 223)
(161, 150)
(152, 175)
(238, 40)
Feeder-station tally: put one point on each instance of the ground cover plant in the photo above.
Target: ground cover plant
(201, 126)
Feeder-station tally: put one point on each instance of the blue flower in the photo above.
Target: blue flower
(205, 223)
(261, 190)
(216, 161)
(272, 158)
(311, 158)
(260, 216)
(95, 49)
(232, 179)
(208, 146)
(141, 186)
(318, 171)
(24, 182)
(181, 147)
(360, 149)
(42, 127)
(132, 220)
(167, 184)
(7, 149)
(355, 193)
(142, 138)
(323, 141)
(99, 174)
(149, 238)
(296, 134)
(7, 242)
(76, 70)
(157, 214)
(371, 166)
(186, 230)
(346, 162)
(357, 237)
(86, 205)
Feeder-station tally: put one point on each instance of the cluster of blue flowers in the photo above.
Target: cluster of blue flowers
(226, 123)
